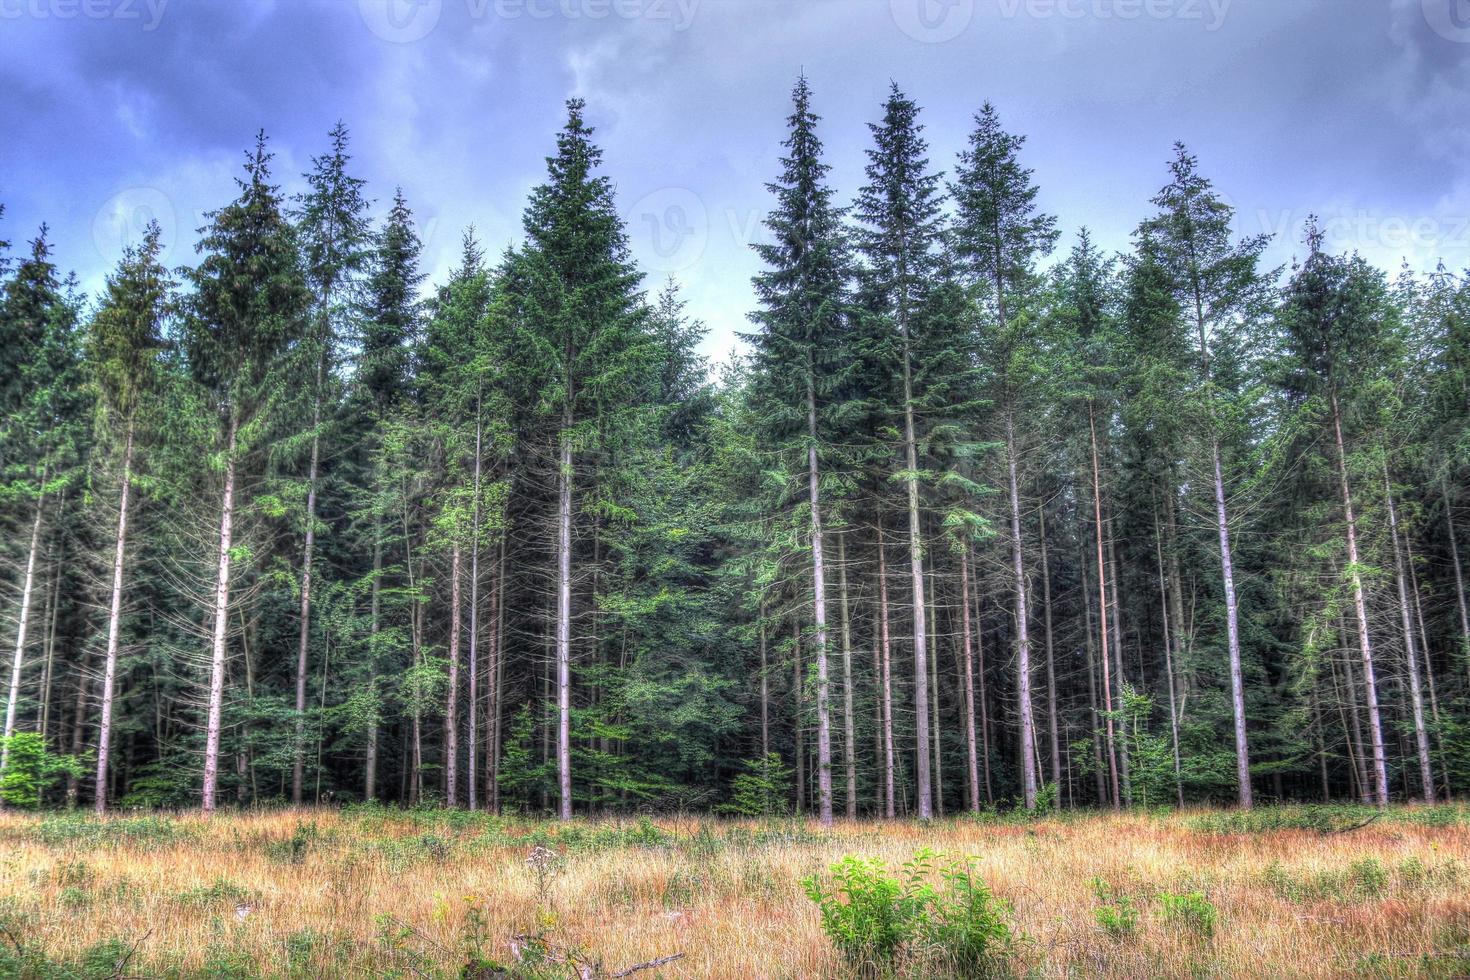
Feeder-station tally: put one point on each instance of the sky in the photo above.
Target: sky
(115, 112)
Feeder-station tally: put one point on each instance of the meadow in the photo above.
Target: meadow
(1301, 892)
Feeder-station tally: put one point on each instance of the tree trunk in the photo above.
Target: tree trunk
(1449, 520)
(1023, 631)
(819, 612)
(889, 803)
(1411, 652)
(1168, 661)
(27, 587)
(1051, 671)
(114, 626)
(1360, 609)
(971, 753)
(983, 698)
(916, 574)
(765, 689)
(1099, 770)
(1232, 633)
(304, 640)
(472, 761)
(849, 751)
(796, 691)
(221, 631)
(370, 762)
(1102, 611)
(451, 700)
(564, 627)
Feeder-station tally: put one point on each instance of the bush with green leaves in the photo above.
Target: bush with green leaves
(937, 916)
(1192, 910)
(1116, 914)
(761, 790)
(31, 769)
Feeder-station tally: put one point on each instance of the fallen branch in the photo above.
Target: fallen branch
(650, 965)
(1356, 826)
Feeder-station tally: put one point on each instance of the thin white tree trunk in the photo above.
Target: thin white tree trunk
(114, 626)
(1023, 632)
(889, 802)
(27, 587)
(370, 761)
(1449, 519)
(972, 755)
(1051, 670)
(1411, 650)
(849, 751)
(1232, 634)
(564, 627)
(474, 664)
(1102, 609)
(1169, 661)
(819, 614)
(1360, 609)
(221, 631)
(304, 639)
(451, 701)
(916, 575)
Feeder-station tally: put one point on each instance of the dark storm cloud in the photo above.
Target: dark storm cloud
(1349, 108)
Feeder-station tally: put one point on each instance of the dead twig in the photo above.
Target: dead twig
(650, 965)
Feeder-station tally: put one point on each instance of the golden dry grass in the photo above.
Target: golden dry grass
(318, 892)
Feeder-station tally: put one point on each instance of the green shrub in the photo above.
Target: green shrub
(1191, 910)
(867, 914)
(31, 769)
(876, 920)
(1116, 915)
(761, 790)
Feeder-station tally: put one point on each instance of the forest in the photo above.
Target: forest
(979, 519)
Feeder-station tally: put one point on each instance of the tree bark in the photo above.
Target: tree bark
(819, 611)
(971, 753)
(564, 627)
(304, 639)
(27, 587)
(472, 760)
(849, 751)
(889, 803)
(1102, 611)
(451, 700)
(1360, 609)
(114, 627)
(221, 631)
(1023, 631)
(1051, 671)
(1411, 651)
(1449, 519)
(1168, 661)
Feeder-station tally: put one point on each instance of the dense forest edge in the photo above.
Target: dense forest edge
(980, 520)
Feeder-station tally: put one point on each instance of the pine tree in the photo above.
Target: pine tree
(800, 352)
(125, 340)
(249, 307)
(1216, 282)
(332, 230)
(899, 238)
(583, 340)
(999, 235)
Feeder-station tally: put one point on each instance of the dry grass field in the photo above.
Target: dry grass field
(327, 893)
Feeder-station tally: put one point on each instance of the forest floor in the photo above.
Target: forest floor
(1309, 892)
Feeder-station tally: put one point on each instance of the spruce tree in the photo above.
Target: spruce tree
(249, 307)
(126, 337)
